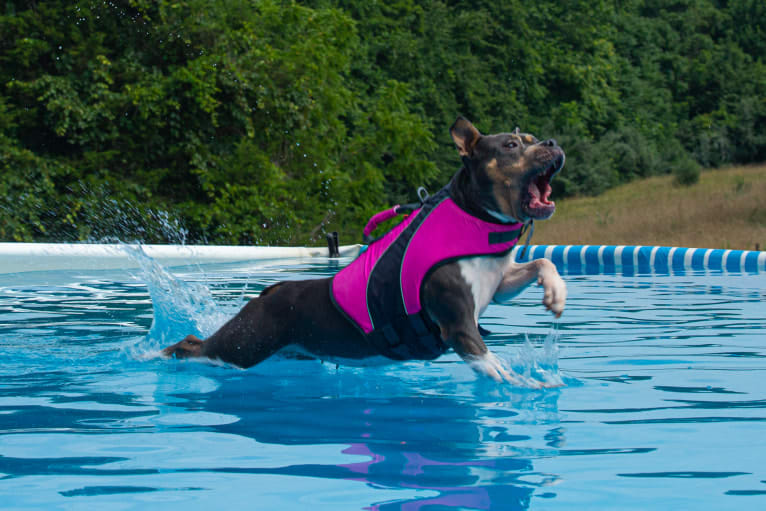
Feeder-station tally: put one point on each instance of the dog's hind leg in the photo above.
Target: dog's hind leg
(292, 313)
(258, 331)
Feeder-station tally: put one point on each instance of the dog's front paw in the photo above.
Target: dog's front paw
(489, 365)
(554, 288)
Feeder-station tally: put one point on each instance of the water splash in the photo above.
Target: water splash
(180, 308)
(538, 365)
(116, 221)
(528, 368)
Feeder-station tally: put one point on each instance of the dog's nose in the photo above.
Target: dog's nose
(551, 142)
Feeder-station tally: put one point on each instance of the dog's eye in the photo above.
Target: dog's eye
(512, 144)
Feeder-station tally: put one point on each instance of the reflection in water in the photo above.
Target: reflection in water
(470, 446)
(467, 455)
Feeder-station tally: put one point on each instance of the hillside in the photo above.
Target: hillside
(726, 209)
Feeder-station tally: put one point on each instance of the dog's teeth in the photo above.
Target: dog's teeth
(547, 193)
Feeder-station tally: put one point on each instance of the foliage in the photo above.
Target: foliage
(686, 171)
(235, 117)
(272, 121)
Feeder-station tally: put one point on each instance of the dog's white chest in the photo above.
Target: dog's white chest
(484, 275)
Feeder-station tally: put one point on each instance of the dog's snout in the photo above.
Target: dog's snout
(551, 142)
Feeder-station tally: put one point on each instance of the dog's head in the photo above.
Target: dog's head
(511, 172)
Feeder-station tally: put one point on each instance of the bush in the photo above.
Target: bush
(686, 171)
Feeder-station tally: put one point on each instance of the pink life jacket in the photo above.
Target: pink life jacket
(379, 292)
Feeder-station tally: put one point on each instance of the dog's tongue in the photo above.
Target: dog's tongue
(539, 197)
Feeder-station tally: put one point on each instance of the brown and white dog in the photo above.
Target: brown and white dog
(505, 178)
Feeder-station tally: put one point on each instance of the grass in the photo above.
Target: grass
(725, 209)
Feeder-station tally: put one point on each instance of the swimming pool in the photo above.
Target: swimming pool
(663, 406)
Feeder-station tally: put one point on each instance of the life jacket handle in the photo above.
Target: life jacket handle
(388, 214)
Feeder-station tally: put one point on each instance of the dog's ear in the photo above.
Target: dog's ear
(465, 136)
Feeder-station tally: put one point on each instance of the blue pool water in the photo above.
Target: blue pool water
(663, 405)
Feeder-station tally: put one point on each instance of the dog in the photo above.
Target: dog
(410, 306)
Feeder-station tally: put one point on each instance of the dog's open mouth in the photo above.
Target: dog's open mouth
(537, 190)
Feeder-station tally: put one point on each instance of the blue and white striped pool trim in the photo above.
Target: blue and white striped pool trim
(592, 258)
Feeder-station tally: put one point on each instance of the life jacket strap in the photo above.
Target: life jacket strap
(530, 228)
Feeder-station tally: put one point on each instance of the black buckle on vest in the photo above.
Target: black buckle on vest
(418, 325)
(495, 238)
(426, 337)
(390, 334)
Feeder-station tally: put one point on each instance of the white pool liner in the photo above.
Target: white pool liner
(25, 257)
